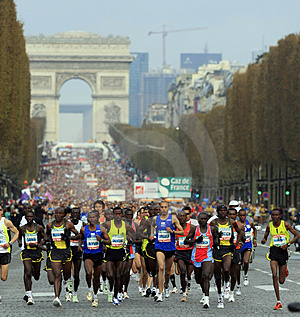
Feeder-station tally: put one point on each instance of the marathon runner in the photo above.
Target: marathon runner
(5, 244)
(183, 254)
(30, 235)
(202, 240)
(278, 253)
(247, 246)
(235, 269)
(222, 230)
(71, 291)
(92, 237)
(60, 256)
(165, 226)
(118, 231)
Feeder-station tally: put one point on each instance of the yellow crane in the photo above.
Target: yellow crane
(164, 33)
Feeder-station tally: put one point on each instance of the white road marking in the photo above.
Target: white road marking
(270, 288)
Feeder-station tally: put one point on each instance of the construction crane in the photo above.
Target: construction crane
(164, 33)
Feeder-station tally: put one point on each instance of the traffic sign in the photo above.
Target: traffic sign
(266, 195)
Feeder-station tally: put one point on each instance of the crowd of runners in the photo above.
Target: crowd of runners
(150, 244)
(71, 230)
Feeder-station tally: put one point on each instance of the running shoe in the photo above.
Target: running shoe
(144, 292)
(153, 292)
(181, 291)
(148, 292)
(278, 306)
(174, 290)
(246, 282)
(75, 299)
(25, 297)
(116, 301)
(184, 298)
(220, 303)
(159, 297)
(238, 291)
(287, 272)
(30, 301)
(226, 292)
(89, 295)
(95, 302)
(206, 303)
(68, 297)
(120, 297)
(167, 293)
(110, 297)
(202, 300)
(126, 296)
(105, 289)
(56, 302)
(231, 297)
(140, 289)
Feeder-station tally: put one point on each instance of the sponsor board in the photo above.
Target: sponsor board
(145, 190)
(116, 195)
(174, 187)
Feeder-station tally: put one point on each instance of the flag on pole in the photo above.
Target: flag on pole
(50, 197)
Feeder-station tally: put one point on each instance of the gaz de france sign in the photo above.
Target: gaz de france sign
(174, 187)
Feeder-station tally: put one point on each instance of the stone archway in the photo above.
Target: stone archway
(101, 62)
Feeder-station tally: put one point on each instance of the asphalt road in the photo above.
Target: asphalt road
(257, 299)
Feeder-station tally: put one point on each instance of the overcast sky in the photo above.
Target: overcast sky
(235, 28)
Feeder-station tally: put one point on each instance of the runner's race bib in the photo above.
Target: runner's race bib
(226, 234)
(203, 244)
(117, 241)
(164, 236)
(279, 240)
(74, 243)
(56, 234)
(31, 238)
(248, 236)
(2, 240)
(181, 242)
(92, 243)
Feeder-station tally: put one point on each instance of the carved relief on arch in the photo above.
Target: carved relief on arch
(89, 78)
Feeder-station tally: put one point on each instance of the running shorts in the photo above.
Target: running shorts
(76, 255)
(33, 255)
(278, 254)
(115, 255)
(184, 255)
(236, 257)
(96, 258)
(5, 258)
(168, 254)
(60, 255)
(218, 254)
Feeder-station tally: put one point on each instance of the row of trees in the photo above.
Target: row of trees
(19, 134)
(249, 141)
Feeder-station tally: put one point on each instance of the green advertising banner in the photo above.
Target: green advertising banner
(174, 187)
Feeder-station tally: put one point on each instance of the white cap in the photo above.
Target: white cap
(234, 203)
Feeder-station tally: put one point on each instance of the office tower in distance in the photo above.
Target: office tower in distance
(138, 67)
(191, 61)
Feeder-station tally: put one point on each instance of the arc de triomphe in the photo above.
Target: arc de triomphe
(101, 62)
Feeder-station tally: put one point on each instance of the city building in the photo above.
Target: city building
(200, 91)
(192, 61)
(157, 113)
(155, 86)
(138, 67)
